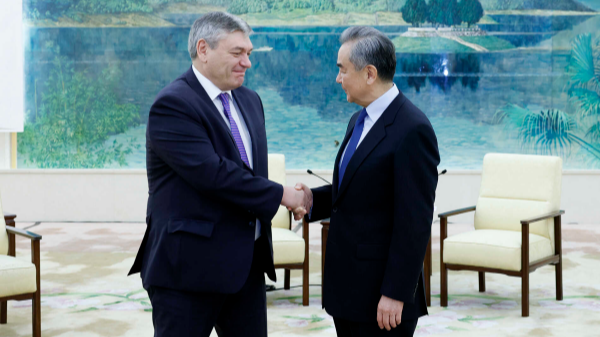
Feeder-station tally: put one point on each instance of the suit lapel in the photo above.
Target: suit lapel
(249, 124)
(368, 144)
(338, 158)
(192, 80)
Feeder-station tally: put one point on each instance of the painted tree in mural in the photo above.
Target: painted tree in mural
(556, 132)
(77, 115)
(322, 5)
(444, 12)
(470, 11)
(415, 12)
(248, 6)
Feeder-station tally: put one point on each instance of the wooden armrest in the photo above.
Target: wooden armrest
(9, 219)
(457, 212)
(21, 232)
(543, 217)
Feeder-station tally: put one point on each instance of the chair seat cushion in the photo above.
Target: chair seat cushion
(495, 249)
(288, 247)
(16, 276)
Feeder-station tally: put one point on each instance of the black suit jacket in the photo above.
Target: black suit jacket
(203, 200)
(380, 216)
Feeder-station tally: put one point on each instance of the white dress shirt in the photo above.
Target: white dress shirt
(213, 92)
(374, 111)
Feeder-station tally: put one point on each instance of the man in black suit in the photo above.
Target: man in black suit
(208, 241)
(381, 200)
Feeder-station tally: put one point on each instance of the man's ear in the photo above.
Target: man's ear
(371, 74)
(202, 49)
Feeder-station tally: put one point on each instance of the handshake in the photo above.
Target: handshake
(298, 199)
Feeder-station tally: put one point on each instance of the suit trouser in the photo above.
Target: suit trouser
(179, 314)
(345, 328)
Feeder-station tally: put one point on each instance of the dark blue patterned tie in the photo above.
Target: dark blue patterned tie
(352, 144)
(234, 128)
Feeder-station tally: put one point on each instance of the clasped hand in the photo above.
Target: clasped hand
(298, 199)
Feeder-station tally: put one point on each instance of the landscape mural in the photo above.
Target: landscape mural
(513, 76)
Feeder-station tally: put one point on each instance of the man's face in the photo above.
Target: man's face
(227, 63)
(353, 82)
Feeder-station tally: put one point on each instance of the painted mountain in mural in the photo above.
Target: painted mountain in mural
(562, 5)
(593, 4)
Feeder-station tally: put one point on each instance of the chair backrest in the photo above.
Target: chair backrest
(277, 174)
(517, 187)
(3, 234)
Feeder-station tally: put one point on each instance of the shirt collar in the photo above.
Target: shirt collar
(212, 90)
(378, 106)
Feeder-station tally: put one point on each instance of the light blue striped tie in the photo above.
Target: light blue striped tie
(224, 97)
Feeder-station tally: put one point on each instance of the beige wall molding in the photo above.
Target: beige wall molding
(121, 195)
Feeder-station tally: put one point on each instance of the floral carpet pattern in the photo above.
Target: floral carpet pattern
(85, 290)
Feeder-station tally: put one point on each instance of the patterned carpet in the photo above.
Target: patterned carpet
(85, 291)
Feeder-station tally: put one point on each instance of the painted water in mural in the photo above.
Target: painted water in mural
(500, 76)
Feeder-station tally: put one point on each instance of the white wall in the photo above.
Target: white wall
(121, 195)
(11, 66)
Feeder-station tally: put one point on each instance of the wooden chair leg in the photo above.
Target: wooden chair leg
(444, 285)
(481, 282)
(558, 266)
(286, 280)
(37, 315)
(305, 268)
(37, 297)
(443, 269)
(3, 312)
(305, 284)
(525, 295)
(525, 271)
(559, 283)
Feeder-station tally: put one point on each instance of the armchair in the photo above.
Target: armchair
(19, 280)
(517, 224)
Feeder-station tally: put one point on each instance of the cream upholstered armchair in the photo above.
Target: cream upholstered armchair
(290, 251)
(19, 280)
(517, 223)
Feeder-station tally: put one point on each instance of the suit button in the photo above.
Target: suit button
(251, 224)
(335, 210)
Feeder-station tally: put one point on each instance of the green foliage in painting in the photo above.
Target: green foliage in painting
(550, 132)
(77, 115)
(361, 6)
(288, 5)
(267, 6)
(594, 133)
(555, 132)
(395, 5)
(470, 11)
(584, 86)
(322, 5)
(248, 6)
(444, 12)
(415, 12)
(53, 9)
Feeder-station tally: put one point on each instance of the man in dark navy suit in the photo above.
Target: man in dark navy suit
(381, 200)
(208, 241)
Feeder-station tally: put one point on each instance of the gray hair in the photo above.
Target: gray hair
(371, 47)
(212, 27)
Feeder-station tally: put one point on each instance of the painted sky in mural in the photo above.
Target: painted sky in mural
(509, 76)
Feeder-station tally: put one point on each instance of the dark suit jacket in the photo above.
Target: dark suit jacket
(203, 200)
(381, 216)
